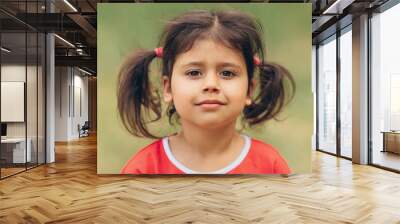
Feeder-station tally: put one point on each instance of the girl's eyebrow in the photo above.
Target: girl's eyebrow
(196, 63)
(224, 64)
(228, 64)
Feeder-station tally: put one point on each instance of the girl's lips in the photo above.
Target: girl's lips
(210, 102)
(210, 105)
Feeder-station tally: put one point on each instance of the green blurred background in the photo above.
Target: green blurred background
(122, 28)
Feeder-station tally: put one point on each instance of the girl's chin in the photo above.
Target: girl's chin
(212, 124)
(209, 120)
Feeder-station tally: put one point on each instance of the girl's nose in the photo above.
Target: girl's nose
(211, 83)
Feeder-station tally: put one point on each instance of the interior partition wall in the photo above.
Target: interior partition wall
(334, 94)
(23, 85)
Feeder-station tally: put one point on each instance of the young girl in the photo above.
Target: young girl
(208, 74)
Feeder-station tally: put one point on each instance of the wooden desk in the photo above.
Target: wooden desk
(17, 151)
(391, 141)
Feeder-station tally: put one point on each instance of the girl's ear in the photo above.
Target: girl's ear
(250, 92)
(167, 94)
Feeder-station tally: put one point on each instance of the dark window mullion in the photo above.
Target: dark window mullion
(369, 89)
(26, 86)
(37, 90)
(317, 95)
(338, 73)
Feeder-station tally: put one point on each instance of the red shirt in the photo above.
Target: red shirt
(256, 157)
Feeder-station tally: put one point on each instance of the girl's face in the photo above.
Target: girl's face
(209, 85)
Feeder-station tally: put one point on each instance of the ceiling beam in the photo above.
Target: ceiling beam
(84, 61)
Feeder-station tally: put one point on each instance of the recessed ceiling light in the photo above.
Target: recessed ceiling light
(64, 40)
(337, 7)
(5, 50)
(70, 5)
(84, 71)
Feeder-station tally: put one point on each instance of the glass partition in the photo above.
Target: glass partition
(22, 64)
(31, 101)
(41, 107)
(13, 103)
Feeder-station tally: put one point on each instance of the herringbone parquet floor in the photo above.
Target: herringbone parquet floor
(70, 191)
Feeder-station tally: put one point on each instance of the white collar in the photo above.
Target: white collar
(227, 169)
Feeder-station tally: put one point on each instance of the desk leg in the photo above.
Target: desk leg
(384, 142)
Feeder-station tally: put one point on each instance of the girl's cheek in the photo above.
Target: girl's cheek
(186, 85)
(235, 87)
(184, 90)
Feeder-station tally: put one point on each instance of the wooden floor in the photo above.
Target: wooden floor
(388, 159)
(70, 191)
(5, 172)
(9, 170)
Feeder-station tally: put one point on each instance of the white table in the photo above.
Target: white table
(19, 149)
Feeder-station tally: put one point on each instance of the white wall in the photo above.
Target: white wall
(13, 101)
(80, 109)
(71, 94)
(62, 81)
(13, 72)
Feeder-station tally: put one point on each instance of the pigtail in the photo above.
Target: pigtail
(273, 95)
(134, 92)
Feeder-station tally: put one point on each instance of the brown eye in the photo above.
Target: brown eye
(227, 74)
(193, 73)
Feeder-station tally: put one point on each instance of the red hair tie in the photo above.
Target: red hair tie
(257, 61)
(159, 52)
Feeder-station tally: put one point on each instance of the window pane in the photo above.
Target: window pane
(345, 94)
(386, 88)
(327, 96)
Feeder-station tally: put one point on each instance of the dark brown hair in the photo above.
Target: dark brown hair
(233, 29)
